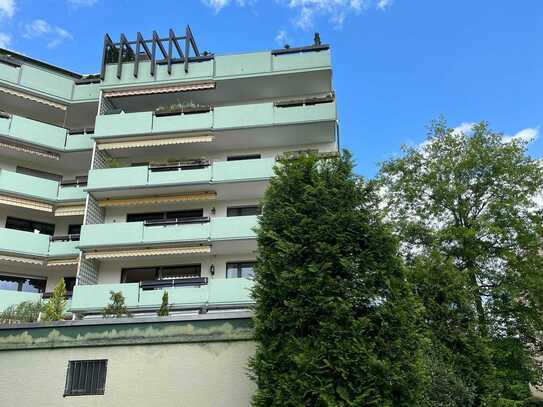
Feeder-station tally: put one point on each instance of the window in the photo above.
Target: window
(74, 229)
(240, 270)
(85, 377)
(30, 226)
(184, 214)
(38, 173)
(137, 275)
(29, 285)
(70, 283)
(243, 210)
(243, 157)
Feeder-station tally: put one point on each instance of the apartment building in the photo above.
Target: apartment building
(146, 177)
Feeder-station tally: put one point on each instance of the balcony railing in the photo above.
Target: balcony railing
(39, 188)
(220, 118)
(173, 282)
(44, 135)
(218, 293)
(138, 234)
(143, 176)
(19, 243)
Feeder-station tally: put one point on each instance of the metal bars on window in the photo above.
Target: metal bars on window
(86, 377)
(138, 50)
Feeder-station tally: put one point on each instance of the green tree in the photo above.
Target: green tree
(116, 307)
(335, 321)
(53, 310)
(465, 208)
(164, 310)
(26, 311)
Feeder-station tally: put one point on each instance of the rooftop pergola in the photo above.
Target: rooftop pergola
(173, 50)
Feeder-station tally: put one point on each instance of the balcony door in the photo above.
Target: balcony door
(139, 274)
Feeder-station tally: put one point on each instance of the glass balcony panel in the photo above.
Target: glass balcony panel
(94, 297)
(183, 122)
(251, 115)
(29, 186)
(305, 114)
(242, 64)
(301, 61)
(25, 243)
(111, 234)
(178, 177)
(238, 227)
(9, 298)
(229, 171)
(63, 248)
(127, 177)
(123, 124)
(38, 133)
(192, 232)
(46, 82)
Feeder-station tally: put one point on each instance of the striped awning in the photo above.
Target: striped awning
(187, 87)
(25, 203)
(72, 210)
(26, 149)
(165, 251)
(25, 260)
(32, 98)
(62, 262)
(206, 138)
(153, 200)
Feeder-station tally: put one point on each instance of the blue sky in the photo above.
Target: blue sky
(397, 63)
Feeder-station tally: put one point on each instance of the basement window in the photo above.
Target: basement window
(85, 377)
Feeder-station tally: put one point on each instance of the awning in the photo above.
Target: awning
(62, 263)
(165, 89)
(21, 260)
(25, 203)
(152, 200)
(72, 210)
(207, 138)
(165, 251)
(32, 98)
(29, 150)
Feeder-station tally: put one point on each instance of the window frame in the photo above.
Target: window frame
(240, 208)
(31, 223)
(239, 267)
(100, 379)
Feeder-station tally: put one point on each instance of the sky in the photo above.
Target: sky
(397, 64)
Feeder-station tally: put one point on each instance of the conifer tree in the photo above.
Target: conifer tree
(335, 321)
(116, 307)
(164, 310)
(54, 308)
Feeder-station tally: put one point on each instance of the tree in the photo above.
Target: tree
(116, 307)
(465, 208)
(26, 311)
(335, 321)
(53, 310)
(164, 310)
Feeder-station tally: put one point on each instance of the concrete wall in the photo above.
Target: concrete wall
(177, 375)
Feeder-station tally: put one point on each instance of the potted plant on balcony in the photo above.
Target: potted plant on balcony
(164, 310)
(186, 107)
(116, 307)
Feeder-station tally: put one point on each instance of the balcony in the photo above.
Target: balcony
(218, 293)
(234, 126)
(47, 83)
(39, 188)
(23, 130)
(9, 298)
(28, 244)
(145, 177)
(135, 234)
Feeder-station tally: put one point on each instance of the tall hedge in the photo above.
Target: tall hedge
(335, 321)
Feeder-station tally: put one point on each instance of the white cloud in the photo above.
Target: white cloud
(282, 37)
(526, 135)
(5, 40)
(7, 8)
(218, 5)
(465, 127)
(82, 3)
(53, 35)
(336, 11)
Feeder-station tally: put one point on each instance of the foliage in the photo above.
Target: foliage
(335, 321)
(53, 309)
(465, 209)
(116, 307)
(164, 310)
(26, 311)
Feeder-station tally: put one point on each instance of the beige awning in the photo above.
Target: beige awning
(206, 138)
(152, 200)
(25, 203)
(29, 150)
(72, 210)
(165, 251)
(21, 260)
(32, 98)
(164, 89)
(62, 263)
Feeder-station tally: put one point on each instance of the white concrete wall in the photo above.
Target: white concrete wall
(210, 374)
